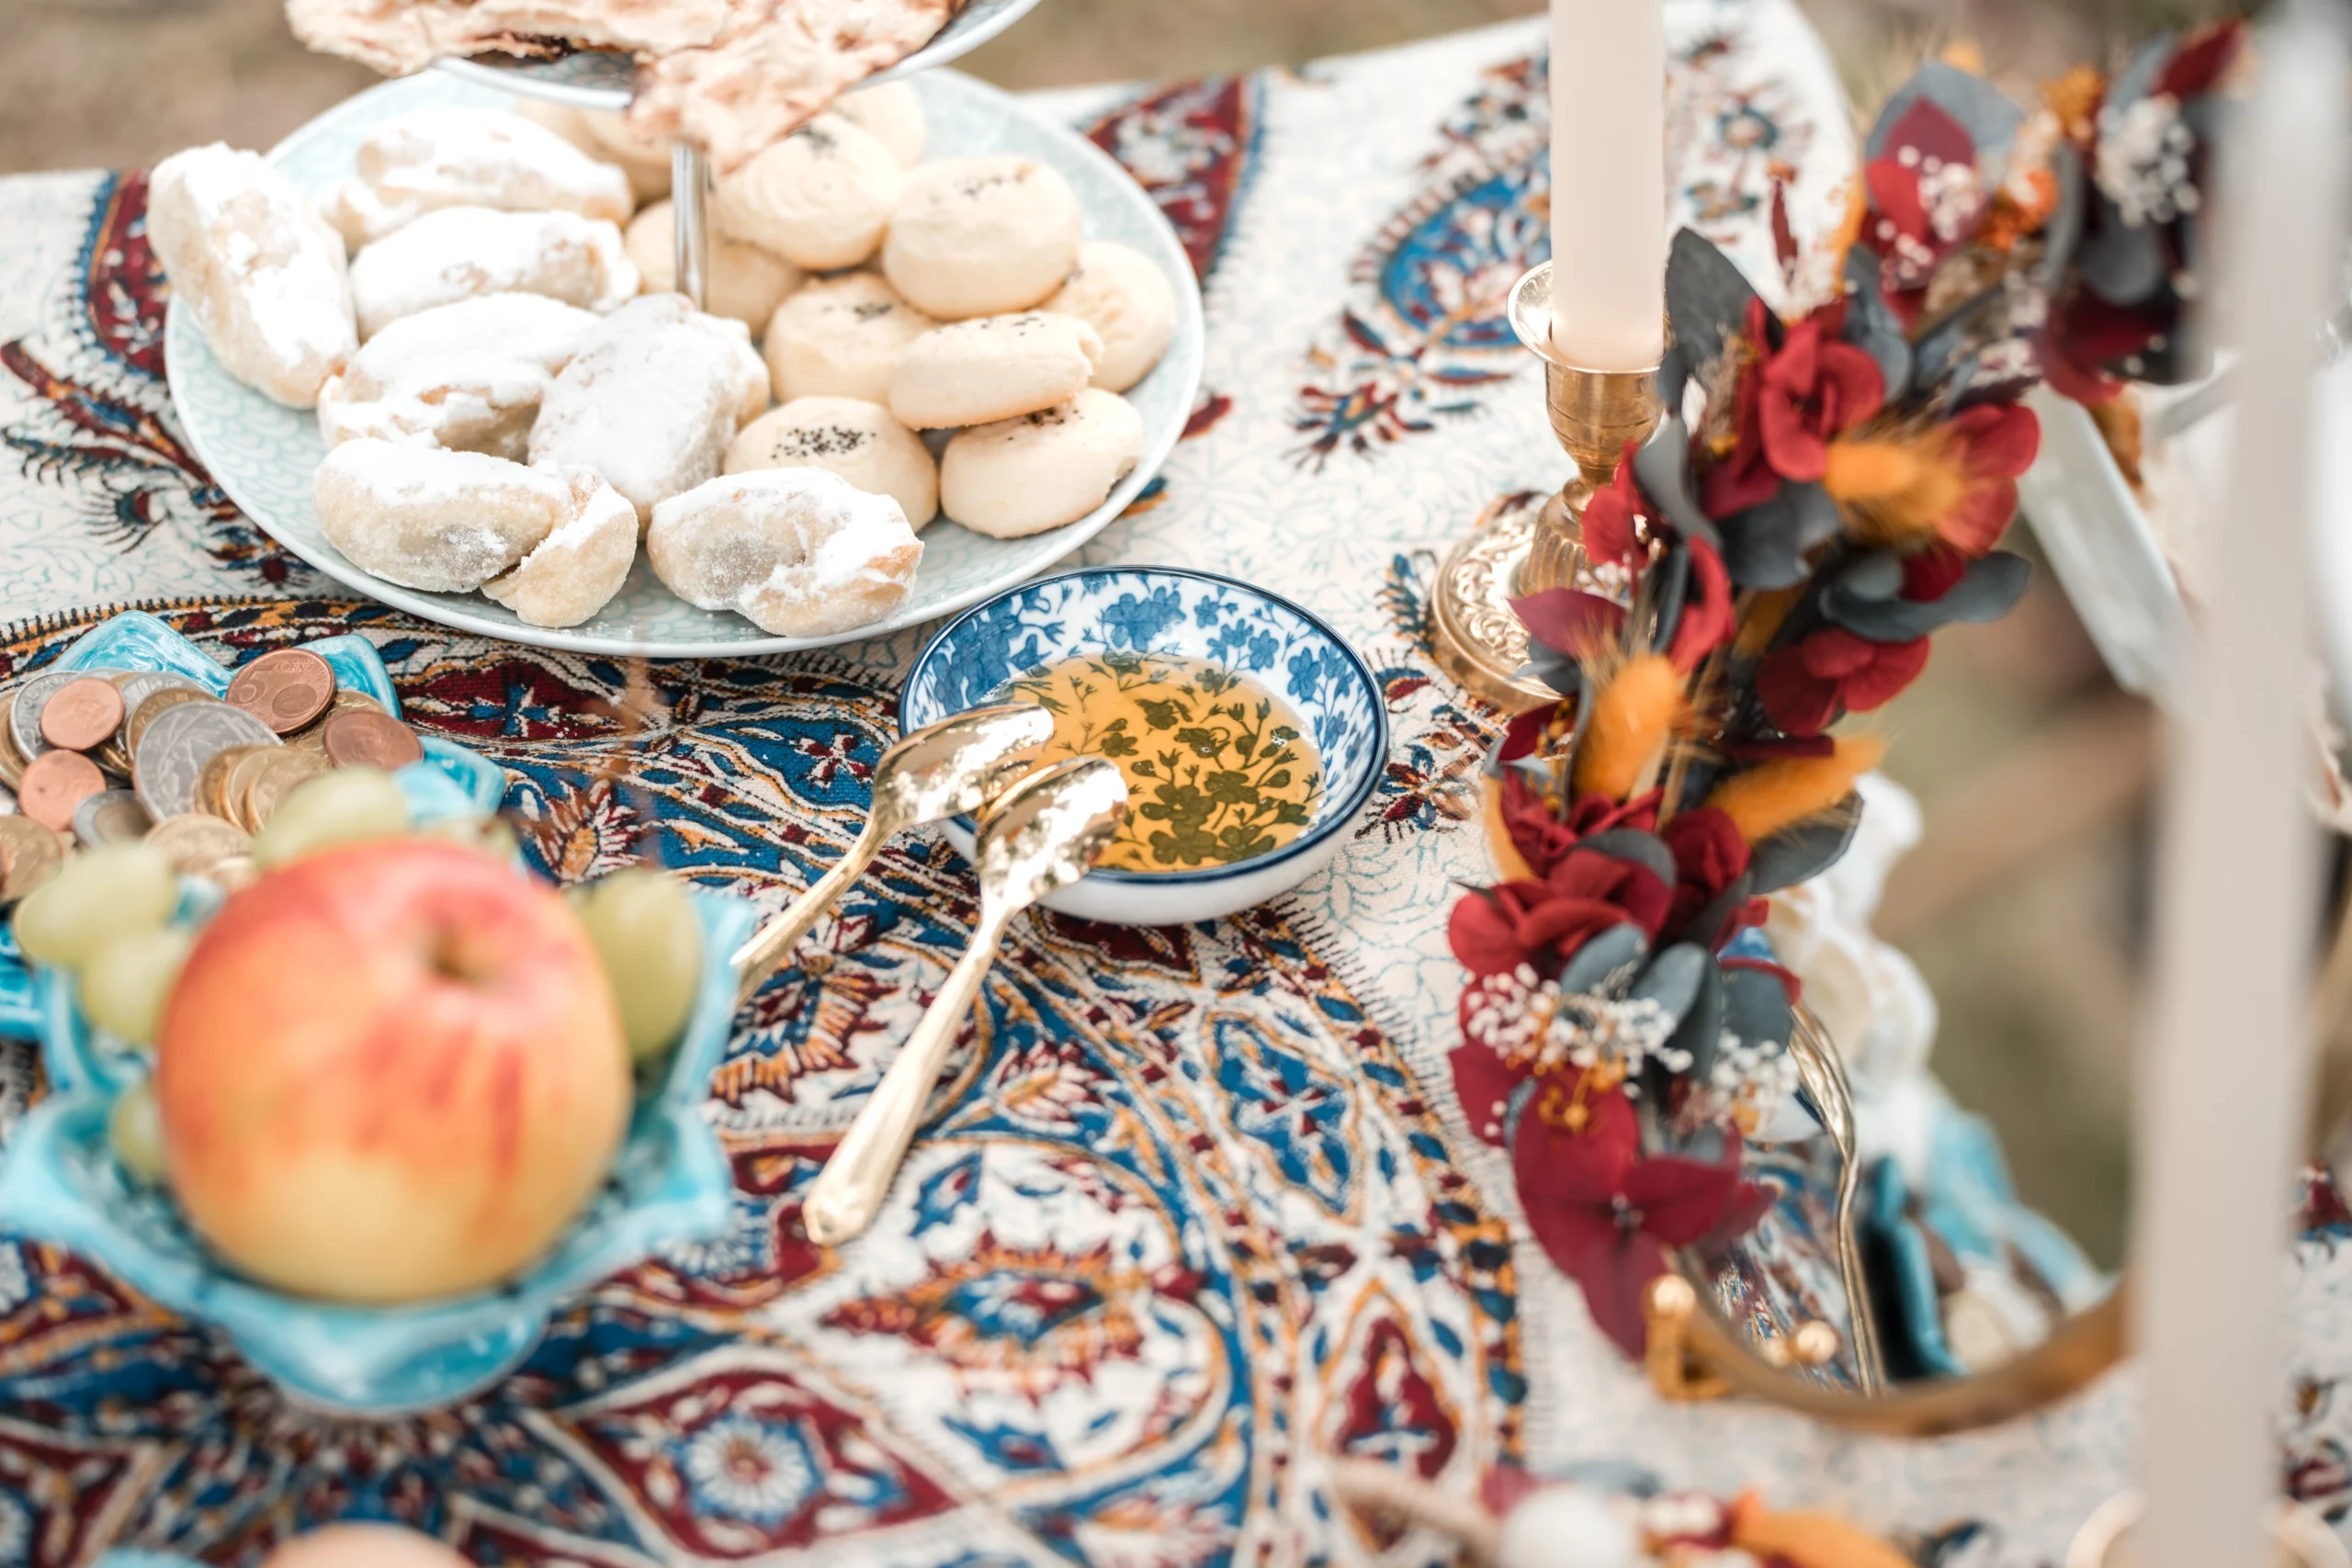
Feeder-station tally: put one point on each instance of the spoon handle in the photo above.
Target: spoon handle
(765, 949)
(848, 1192)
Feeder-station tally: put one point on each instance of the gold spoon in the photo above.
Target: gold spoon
(1045, 834)
(949, 769)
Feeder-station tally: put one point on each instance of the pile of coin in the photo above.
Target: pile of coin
(108, 755)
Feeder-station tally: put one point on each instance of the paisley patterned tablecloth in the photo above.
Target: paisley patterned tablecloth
(1201, 1210)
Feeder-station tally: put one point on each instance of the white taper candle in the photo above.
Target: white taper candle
(2228, 1077)
(1608, 182)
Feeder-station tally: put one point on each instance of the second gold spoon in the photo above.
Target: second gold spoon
(951, 769)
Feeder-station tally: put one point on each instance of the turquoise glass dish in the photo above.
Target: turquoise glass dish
(61, 1183)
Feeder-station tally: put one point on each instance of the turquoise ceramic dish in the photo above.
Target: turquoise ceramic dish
(61, 1183)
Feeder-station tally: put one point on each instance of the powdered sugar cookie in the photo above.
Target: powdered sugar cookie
(981, 236)
(648, 167)
(459, 252)
(652, 398)
(1041, 470)
(577, 568)
(893, 112)
(858, 440)
(445, 522)
(428, 159)
(261, 272)
(836, 337)
(1124, 296)
(797, 552)
(745, 283)
(819, 199)
(991, 368)
(467, 376)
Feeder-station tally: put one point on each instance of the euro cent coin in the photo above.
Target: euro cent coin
(199, 845)
(55, 785)
(371, 740)
(32, 696)
(285, 689)
(82, 715)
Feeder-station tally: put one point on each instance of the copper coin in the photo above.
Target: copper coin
(151, 706)
(30, 855)
(55, 782)
(372, 741)
(286, 689)
(82, 714)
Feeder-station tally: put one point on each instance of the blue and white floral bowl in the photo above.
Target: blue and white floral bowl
(60, 1181)
(1196, 616)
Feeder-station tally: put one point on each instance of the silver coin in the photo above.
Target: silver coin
(32, 696)
(7, 801)
(176, 744)
(145, 684)
(110, 816)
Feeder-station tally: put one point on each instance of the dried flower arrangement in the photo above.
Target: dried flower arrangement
(1828, 490)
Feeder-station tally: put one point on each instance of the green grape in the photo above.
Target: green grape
(101, 894)
(126, 983)
(340, 808)
(644, 928)
(135, 1128)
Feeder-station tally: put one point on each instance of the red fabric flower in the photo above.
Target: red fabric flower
(1569, 621)
(1922, 201)
(1791, 402)
(1541, 837)
(1995, 443)
(1806, 685)
(1543, 922)
(1608, 534)
(1605, 1214)
(1709, 856)
(1708, 621)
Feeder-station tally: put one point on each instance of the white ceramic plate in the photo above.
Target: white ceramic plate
(596, 79)
(263, 455)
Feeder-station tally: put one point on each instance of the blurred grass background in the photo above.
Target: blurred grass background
(2022, 908)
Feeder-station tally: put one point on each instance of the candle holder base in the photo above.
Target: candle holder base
(1476, 638)
(1521, 545)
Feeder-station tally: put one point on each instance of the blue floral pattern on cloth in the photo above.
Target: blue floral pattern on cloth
(1183, 1210)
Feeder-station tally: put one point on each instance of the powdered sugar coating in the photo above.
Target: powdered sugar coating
(982, 236)
(445, 522)
(397, 36)
(857, 440)
(746, 282)
(819, 199)
(575, 571)
(836, 338)
(893, 112)
(1041, 470)
(467, 376)
(257, 268)
(798, 552)
(461, 253)
(1124, 296)
(450, 157)
(991, 368)
(652, 398)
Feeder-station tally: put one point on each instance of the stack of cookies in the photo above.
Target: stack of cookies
(515, 398)
(103, 756)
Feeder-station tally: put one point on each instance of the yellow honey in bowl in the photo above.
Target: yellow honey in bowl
(1218, 767)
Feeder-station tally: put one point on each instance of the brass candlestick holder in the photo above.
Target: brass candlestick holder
(1594, 413)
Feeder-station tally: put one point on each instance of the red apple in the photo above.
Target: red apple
(390, 1072)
